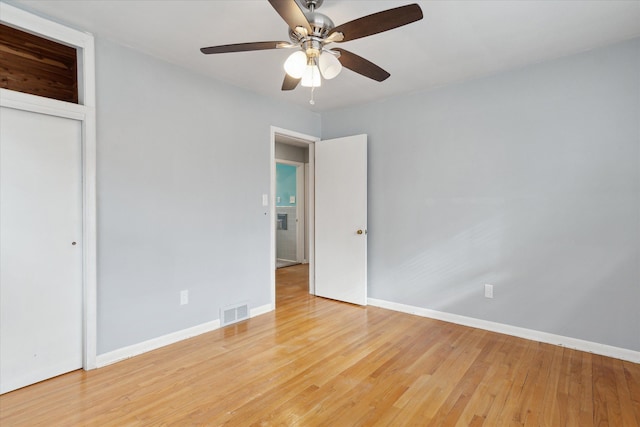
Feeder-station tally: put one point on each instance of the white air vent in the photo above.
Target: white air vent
(233, 314)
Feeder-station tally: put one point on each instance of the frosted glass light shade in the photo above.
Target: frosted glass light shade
(330, 66)
(295, 64)
(311, 77)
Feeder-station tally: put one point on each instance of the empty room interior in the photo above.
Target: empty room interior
(433, 217)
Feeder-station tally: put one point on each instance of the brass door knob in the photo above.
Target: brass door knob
(359, 231)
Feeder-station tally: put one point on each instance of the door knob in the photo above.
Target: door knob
(359, 231)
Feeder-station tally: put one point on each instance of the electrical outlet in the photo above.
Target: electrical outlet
(488, 291)
(184, 297)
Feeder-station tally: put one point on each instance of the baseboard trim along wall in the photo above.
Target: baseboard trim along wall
(155, 343)
(530, 334)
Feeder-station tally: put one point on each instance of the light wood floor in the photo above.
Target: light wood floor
(316, 362)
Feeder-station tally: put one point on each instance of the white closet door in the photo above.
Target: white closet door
(40, 247)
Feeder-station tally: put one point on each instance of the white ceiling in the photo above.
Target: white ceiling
(456, 40)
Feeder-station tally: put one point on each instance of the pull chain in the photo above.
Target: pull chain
(311, 101)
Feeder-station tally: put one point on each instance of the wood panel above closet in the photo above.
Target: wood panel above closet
(35, 65)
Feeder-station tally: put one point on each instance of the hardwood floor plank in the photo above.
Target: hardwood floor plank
(550, 411)
(480, 392)
(628, 417)
(318, 362)
(632, 375)
(506, 379)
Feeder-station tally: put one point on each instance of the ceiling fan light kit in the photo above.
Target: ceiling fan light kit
(329, 64)
(296, 64)
(311, 76)
(312, 31)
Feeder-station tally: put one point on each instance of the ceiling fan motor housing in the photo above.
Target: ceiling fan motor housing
(321, 25)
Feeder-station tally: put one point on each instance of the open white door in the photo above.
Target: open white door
(341, 219)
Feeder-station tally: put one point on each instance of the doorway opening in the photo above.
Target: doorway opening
(291, 230)
(292, 206)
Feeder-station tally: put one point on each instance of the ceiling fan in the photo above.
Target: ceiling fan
(310, 32)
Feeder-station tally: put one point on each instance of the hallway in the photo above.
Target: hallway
(291, 283)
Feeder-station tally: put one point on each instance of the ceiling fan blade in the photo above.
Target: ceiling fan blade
(289, 82)
(361, 66)
(243, 47)
(379, 22)
(292, 14)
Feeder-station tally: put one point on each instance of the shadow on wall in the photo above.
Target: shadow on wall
(448, 271)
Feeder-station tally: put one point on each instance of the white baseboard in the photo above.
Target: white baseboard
(530, 334)
(155, 343)
(261, 310)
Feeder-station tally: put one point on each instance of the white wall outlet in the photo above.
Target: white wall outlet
(184, 297)
(265, 200)
(488, 291)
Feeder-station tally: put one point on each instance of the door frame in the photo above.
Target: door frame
(300, 206)
(84, 112)
(305, 139)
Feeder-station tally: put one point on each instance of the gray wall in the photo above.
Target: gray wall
(183, 162)
(528, 180)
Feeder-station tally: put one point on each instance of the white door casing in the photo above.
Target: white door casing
(300, 212)
(41, 294)
(341, 219)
